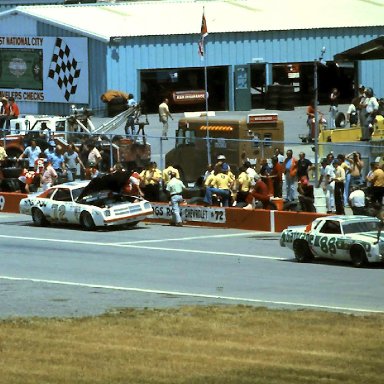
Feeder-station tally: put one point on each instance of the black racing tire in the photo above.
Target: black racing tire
(39, 218)
(87, 222)
(12, 172)
(358, 256)
(302, 252)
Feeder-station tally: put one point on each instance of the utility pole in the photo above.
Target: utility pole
(316, 97)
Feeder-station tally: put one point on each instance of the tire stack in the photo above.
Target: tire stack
(272, 97)
(280, 97)
(286, 98)
(11, 173)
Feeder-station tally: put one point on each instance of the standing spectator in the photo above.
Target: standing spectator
(371, 107)
(356, 168)
(164, 114)
(175, 189)
(50, 151)
(264, 172)
(14, 112)
(94, 155)
(352, 112)
(377, 180)
(339, 179)
(71, 159)
(131, 118)
(4, 112)
(57, 160)
(334, 107)
(276, 176)
(290, 171)
(279, 155)
(361, 108)
(32, 153)
(251, 172)
(303, 166)
(322, 182)
(345, 164)
(49, 176)
(329, 185)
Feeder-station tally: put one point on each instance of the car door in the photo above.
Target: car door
(327, 242)
(62, 207)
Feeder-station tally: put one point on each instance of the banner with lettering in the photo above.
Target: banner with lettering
(44, 69)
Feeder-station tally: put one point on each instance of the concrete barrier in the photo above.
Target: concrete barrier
(256, 219)
(238, 218)
(9, 201)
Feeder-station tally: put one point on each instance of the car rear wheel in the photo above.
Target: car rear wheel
(358, 257)
(38, 218)
(302, 252)
(87, 222)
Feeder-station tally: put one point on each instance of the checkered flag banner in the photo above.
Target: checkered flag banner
(64, 69)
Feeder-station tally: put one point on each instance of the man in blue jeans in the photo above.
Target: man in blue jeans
(175, 189)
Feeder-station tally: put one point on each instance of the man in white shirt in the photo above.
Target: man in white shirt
(357, 201)
(163, 117)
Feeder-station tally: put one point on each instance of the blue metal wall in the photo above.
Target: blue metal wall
(127, 58)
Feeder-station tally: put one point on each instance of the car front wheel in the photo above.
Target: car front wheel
(87, 222)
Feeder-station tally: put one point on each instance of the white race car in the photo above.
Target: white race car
(95, 203)
(357, 239)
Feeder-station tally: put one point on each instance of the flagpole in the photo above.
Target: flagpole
(204, 33)
(206, 109)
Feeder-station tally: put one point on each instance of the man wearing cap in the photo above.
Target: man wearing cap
(221, 186)
(175, 189)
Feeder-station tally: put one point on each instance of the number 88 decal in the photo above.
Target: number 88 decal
(328, 245)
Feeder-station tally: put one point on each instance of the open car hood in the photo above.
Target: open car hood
(111, 182)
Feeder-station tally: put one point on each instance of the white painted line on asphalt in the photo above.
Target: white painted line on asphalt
(123, 245)
(192, 294)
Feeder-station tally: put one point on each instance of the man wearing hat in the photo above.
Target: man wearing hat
(175, 188)
(221, 186)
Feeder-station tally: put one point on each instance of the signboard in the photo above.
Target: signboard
(44, 69)
(191, 213)
(262, 118)
(189, 97)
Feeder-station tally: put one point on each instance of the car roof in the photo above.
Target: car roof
(73, 184)
(343, 219)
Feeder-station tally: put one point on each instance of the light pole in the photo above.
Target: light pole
(316, 97)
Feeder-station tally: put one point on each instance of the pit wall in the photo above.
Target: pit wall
(237, 218)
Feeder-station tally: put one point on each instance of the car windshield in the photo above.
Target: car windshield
(360, 226)
(76, 193)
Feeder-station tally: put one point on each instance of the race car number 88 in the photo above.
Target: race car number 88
(328, 245)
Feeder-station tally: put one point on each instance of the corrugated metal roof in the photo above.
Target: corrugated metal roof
(103, 21)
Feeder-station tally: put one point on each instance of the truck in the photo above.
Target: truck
(78, 128)
(251, 138)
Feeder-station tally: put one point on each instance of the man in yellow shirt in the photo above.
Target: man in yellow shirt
(221, 186)
(243, 185)
(151, 182)
(166, 177)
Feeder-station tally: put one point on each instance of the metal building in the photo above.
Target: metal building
(150, 49)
